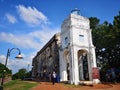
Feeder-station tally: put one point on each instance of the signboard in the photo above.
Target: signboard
(95, 73)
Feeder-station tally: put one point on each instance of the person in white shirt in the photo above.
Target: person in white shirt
(53, 77)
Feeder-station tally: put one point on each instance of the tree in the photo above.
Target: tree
(29, 74)
(3, 68)
(21, 74)
(94, 22)
(106, 39)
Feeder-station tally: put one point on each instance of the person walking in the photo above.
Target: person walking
(53, 77)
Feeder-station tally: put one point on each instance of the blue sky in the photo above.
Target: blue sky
(29, 24)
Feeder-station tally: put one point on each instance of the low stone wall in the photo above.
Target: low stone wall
(6, 79)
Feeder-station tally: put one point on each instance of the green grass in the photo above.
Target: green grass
(19, 85)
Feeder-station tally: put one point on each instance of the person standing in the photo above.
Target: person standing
(113, 75)
(49, 75)
(53, 77)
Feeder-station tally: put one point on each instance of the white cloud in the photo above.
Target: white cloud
(2, 59)
(31, 15)
(24, 41)
(32, 40)
(15, 64)
(11, 18)
(45, 34)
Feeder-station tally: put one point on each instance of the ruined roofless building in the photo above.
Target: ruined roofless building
(70, 53)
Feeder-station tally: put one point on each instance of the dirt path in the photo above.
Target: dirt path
(59, 86)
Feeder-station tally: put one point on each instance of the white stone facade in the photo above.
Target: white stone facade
(76, 43)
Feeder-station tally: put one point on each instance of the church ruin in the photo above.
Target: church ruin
(70, 53)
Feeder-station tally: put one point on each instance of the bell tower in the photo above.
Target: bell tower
(77, 52)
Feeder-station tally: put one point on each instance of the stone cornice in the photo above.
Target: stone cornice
(92, 46)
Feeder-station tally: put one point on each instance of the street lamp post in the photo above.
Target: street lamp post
(19, 56)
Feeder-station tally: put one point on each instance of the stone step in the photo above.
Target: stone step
(86, 82)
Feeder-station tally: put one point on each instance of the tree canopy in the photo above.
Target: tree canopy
(3, 68)
(106, 38)
(20, 74)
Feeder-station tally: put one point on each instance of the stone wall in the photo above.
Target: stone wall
(47, 59)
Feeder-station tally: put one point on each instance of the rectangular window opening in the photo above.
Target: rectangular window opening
(81, 38)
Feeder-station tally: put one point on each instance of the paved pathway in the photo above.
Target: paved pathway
(60, 86)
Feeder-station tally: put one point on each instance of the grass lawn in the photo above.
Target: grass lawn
(19, 85)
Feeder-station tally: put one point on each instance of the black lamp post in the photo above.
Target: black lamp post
(19, 56)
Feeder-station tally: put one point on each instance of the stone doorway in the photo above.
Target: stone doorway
(83, 65)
